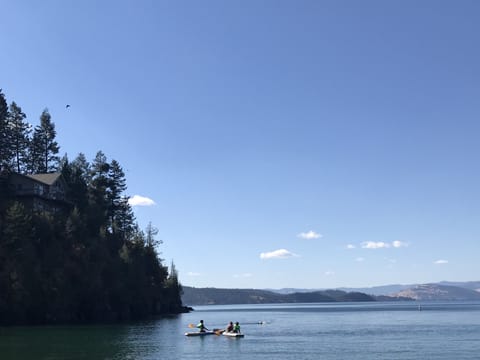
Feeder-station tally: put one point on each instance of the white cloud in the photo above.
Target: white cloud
(375, 245)
(350, 246)
(360, 259)
(329, 273)
(309, 235)
(190, 273)
(383, 245)
(277, 254)
(245, 275)
(399, 244)
(441, 262)
(137, 200)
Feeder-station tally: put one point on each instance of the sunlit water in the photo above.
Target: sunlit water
(293, 331)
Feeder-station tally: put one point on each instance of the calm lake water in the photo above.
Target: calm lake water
(290, 331)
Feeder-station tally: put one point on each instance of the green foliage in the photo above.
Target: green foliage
(20, 131)
(204, 296)
(5, 150)
(89, 263)
(44, 148)
(18, 270)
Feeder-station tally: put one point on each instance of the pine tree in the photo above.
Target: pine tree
(5, 149)
(98, 187)
(174, 287)
(20, 131)
(76, 174)
(117, 185)
(150, 233)
(18, 278)
(44, 148)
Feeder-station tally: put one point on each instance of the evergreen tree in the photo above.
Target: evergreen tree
(120, 212)
(76, 174)
(5, 149)
(87, 264)
(44, 148)
(124, 220)
(98, 188)
(18, 263)
(150, 233)
(20, 131)
(34, 158)
(173, 286)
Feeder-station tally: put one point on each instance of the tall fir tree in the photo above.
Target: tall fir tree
(150, 233)
(120, 212)
(18, 260)
(5, 138)
(44, 149)
(98, 188)
(78, 181)
(20, 135)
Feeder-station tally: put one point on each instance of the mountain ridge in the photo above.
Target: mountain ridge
(441, 291)
(385, 289)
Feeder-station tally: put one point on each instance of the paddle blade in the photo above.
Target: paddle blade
(191, 325)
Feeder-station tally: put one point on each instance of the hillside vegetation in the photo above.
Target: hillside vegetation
(85, 259)
(213, 296)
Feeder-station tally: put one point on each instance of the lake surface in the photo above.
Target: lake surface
(403, 330)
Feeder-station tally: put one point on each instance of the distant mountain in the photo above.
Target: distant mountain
(375, 290)
(213, 296)
(439, 292)
(285, 291)
(380, 290)
(395, 289)
(472, 285)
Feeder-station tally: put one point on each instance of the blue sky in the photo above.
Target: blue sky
(311, 144)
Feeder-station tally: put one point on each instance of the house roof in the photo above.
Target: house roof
(47, 179)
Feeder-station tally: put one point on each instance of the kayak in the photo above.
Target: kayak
(233, 334)
(199, 333)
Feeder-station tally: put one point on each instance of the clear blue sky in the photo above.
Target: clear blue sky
(310, 144)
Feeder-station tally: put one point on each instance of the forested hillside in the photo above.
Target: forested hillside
(213, 296)
(86, 261)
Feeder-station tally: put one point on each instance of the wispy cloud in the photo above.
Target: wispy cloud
(360, 259)
(138, 200)
(351, 246)
(383, 245)
(277, 254)
(375, 245)
(441, 262)
(191, 273)
(245, 275)
(399, 244)
(329, 273)
(309, 235)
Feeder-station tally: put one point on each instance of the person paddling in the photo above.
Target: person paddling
(201, 326)
(236, 328)
(230, 327)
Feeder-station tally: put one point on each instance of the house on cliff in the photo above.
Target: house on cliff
(39, 192)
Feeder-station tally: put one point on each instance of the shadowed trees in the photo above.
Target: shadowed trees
(87, 263)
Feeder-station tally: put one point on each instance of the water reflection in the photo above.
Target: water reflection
(129, 341)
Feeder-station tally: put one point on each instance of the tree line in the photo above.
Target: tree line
(211, 296)
(90, 262)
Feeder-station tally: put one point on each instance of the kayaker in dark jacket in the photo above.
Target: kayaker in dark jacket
(229, 327)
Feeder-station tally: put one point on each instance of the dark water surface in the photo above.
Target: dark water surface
(289, 331)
